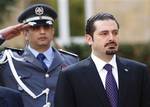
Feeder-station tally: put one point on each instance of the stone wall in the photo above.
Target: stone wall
(133, 16)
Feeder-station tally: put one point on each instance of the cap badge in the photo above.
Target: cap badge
(39, 11)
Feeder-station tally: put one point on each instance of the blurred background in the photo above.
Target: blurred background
(133, 16)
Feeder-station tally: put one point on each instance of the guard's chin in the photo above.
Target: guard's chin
(111, 52)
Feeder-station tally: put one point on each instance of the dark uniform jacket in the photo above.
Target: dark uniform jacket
(10, 98)
(34, 76)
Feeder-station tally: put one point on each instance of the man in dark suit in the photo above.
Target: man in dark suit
(10, 98)
(104, 79)
(34, 70)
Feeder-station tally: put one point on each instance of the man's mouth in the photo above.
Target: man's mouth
(111, 44)
(42, 38)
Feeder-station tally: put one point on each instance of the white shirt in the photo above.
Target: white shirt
(102, 72)
(48, 54)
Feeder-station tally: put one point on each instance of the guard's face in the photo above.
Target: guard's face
(105, 38)
(40, 37)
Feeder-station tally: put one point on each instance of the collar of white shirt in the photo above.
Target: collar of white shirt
(100, 63)
(102, 72)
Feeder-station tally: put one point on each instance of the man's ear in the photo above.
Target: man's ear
(26, 34)
(53, 31)
(88, 39)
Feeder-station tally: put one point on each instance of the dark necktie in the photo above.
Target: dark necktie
(111, 86)
(41, 58)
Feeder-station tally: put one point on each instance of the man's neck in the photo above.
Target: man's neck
(105, 57)
(40, 49)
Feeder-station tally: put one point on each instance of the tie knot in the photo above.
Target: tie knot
(108, 67)
(41, 56)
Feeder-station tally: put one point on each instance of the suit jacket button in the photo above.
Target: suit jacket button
(47, 75)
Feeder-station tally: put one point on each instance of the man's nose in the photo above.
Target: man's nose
(111, 36)
(42, 30)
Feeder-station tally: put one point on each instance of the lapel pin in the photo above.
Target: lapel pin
(126, 70)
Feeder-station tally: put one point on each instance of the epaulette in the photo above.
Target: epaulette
(66, 52)
(19, 51)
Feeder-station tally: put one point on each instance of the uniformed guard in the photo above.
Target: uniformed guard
(34, 70)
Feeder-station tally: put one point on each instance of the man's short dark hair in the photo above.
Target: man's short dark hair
(90, 28)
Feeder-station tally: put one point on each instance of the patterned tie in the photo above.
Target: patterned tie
(41, 58)
(111, 86)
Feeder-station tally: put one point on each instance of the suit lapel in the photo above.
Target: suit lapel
(123, 77)
(95, 82)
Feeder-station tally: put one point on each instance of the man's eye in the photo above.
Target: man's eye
(115, 33)
(103, 33)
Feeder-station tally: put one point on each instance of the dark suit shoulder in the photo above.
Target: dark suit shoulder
(131, 62)
(77, 67)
